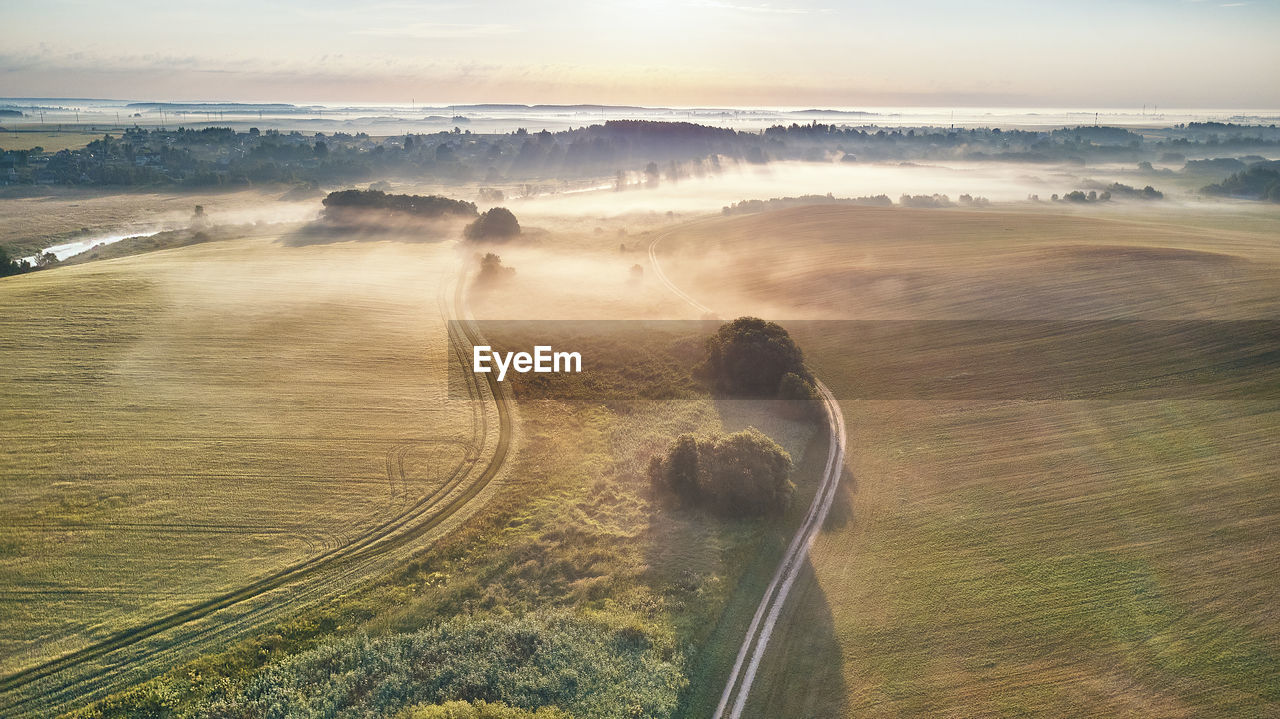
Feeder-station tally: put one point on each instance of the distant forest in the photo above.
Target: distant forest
(630, 152)
(1259, 181)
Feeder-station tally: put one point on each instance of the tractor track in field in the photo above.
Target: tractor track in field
(738, 686)
(104, 666)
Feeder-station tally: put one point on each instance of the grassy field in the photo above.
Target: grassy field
(25, 137)
(575, 531)
(182, 422)
(1015, 558)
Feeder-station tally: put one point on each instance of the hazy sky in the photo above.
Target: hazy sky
(1075, 53)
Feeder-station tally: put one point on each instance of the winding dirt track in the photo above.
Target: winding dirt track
(738, 687)
(133, 654)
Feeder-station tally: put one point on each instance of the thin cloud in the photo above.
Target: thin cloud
(760, 9)
(440, 31)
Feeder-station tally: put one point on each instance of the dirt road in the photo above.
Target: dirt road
(738, 687)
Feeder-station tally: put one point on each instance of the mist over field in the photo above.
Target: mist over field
(998, 182)
(639, 360)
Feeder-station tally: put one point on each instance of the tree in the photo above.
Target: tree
(10, 267)
(750, 356)
(743, 474)
(748, 474)
(491, 269)
(497, 223)
(800, 395)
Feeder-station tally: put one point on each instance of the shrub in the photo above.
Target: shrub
(744, 474)
(478, 710)
(558, 660)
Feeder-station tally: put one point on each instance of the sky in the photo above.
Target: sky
(784, 53)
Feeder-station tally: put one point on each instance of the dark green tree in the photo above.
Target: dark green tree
(495, 224)
(750, 356)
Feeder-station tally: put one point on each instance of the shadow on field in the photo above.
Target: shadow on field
(841, 513)
(802, 672)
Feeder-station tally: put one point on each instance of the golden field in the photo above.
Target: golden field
(180, 423)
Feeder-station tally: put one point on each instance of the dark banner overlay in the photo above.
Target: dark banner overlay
(898, 360)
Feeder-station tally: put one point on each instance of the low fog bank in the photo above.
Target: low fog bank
(400, 118)
(711, 192)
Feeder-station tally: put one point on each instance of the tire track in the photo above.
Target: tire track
(738, 687)
(54, 684)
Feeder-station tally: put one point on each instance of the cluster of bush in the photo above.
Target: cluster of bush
(346, 206)
(925, 201)
(337, 204)
(745, 474)
(1116, 189)
(552, 665)
(10, 266)
(479, 710)
(751, 206)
